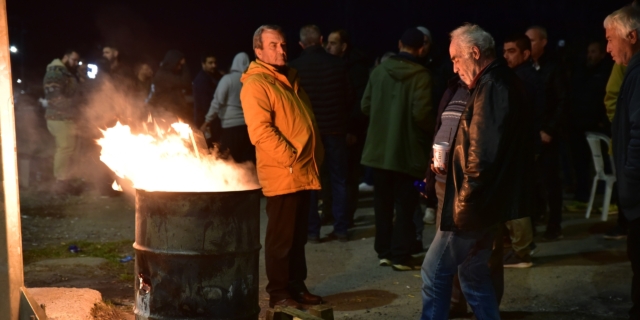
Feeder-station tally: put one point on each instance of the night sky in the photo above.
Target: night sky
(145, 30)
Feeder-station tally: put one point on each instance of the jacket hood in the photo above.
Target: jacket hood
(401, 69)
(240, 62)
(171, 59)
(56, 63)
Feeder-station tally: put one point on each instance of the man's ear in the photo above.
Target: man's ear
(399, 44)
(301, 45)
(544, 42)
(115, 53)
(475, 53)
(258, 53)
(527, 54)
(343, 47)
(633, 36)
(420, 51)
(321, 41)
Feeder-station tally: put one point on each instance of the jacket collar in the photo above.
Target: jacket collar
(634, 62)
(494, 64)
(291, 79)
(313, 49)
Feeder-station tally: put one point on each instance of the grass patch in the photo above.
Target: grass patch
(112, 251)
(105, 311)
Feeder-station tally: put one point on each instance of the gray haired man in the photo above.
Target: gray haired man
(488, 177)
(622, 30)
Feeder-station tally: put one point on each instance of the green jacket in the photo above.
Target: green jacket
(398, 102)
(61, 92)
(613, 89)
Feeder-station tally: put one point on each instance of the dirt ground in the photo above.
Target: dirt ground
(582, 276)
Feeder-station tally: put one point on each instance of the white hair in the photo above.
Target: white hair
(471, 35)
(624, 20)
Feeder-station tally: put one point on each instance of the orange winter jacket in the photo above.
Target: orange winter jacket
(282, 127)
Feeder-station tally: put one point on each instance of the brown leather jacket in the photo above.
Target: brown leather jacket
(282, 127)
(491, 175)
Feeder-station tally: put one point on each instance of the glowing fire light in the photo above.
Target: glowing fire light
(171, 161)
(115, 186)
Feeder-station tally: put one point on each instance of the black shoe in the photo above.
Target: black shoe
(337, 236)
(288, 302)
(313, 238)
(417, 247)
(305, 297)
(616, 233)
(552, 234)
(511, 260)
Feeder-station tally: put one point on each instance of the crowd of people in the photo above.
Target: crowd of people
(325, 126)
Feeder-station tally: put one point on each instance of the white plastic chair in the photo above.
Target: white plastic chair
(594, 139)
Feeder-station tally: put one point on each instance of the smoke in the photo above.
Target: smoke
(150, 148)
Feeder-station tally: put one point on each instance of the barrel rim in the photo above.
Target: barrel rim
(198, 192)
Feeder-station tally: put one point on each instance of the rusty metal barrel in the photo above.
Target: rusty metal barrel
(197, 255)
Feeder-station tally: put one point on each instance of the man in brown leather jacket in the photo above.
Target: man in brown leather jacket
(489, 177)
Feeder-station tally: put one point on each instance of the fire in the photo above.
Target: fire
(171, 161)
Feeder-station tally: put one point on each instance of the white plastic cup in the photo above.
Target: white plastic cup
(441, 154)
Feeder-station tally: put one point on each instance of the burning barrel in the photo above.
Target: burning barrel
(197, 255)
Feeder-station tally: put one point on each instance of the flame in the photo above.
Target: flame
(170, 161)
(115, 186)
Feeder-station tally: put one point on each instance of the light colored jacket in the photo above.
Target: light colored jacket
(226, 100)
(282, 127)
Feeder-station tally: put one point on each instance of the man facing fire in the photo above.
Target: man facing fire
(289, 152)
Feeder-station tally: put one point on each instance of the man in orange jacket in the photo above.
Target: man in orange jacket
(288, 151)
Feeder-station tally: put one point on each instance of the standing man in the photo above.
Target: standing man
(169, 87)
(587, 113)
(398, 103)
(622, 31)
(488, 177)
(339, 44)
(61, 92)
(289, 152)
(324, 79)
(118, 70)
(555, 103)
(204, 86)
(517, 53)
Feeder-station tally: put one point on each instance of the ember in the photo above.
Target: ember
(169, 160)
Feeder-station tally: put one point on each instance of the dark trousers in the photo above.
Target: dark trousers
(286, 237)
(394, 241)
(236, 139)
(354, 172)
(549, 184)
(581, 160)
(335, 164)
(633, 251)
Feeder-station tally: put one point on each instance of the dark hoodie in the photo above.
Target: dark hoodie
(169, 87)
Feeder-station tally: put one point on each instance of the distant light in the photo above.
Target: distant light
(561, 43)
(92, 70)
(80, 63)
(13, 49)
(19, 81)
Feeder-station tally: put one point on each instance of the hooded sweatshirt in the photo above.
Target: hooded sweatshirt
(401, 121)
(226, 100)
(61, 92)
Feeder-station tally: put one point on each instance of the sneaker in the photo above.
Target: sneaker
(511, 260)
(385, 263)
(533, 249)
(576, 206)
(616, 233)
(364, 187)
(429, 216)
(552, 234)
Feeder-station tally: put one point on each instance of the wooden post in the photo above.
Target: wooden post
(11, 272)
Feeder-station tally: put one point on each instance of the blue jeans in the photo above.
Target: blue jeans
(335, 162)
(465, 253)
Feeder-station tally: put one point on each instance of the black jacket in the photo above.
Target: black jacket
(626, 141)
(588, 88)
(204, 86)
(556, 94)
(324, 79)
(169, 87)
(358, 72)
(534, 88)
(490, 178)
